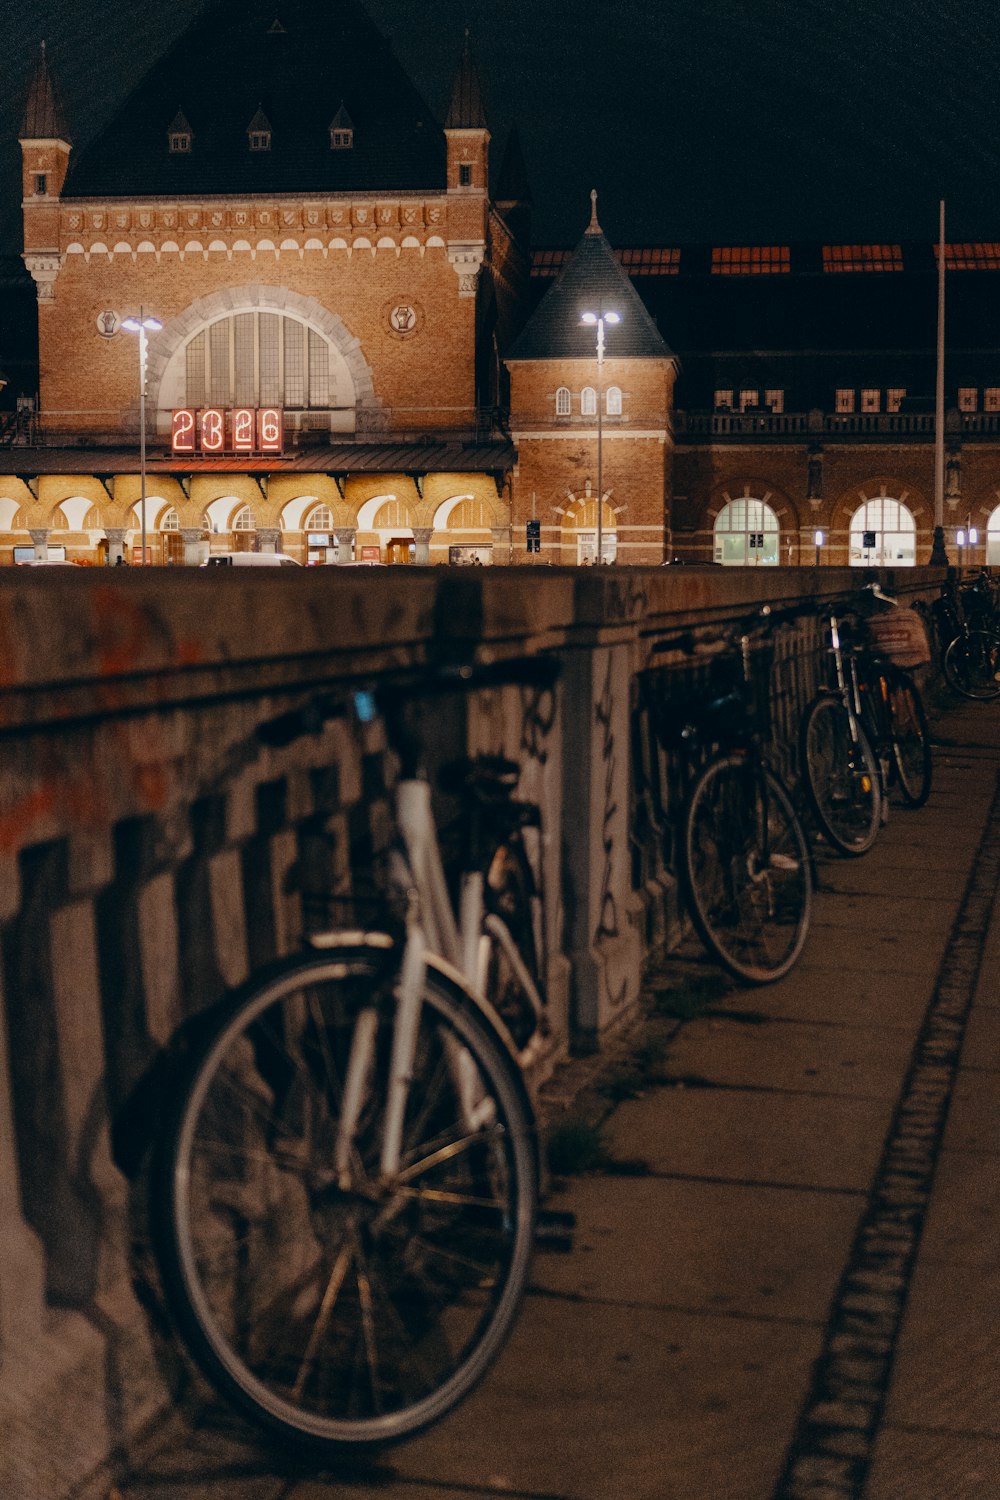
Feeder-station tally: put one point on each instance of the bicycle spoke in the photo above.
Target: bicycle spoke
(322, 1323)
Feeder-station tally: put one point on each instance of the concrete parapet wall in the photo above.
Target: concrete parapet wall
(153, 852)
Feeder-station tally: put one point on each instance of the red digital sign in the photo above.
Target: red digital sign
(212, 430)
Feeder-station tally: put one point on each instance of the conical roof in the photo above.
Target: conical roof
(235, 59)
(466, 110)
(42, 116)
(590, 281)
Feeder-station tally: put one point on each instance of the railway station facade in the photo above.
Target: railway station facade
(354, 354)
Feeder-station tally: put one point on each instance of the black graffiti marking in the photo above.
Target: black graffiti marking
(626, 599)
(607, 925)
(538, 714)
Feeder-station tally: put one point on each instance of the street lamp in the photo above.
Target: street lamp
(818, 540)
(960, 541)
(599, 319)
(142, 325)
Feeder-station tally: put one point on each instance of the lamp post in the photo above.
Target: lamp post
(818, 540)
(599, 319)
(960, 543)
(142, 325)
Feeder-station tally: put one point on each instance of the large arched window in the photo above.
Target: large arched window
(883, 533)
(258, 359)
(562, 401)
(993, 540)
(747, 533)
(614, 401)
(588, 402)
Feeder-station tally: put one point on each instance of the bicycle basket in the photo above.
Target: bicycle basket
(900, 636)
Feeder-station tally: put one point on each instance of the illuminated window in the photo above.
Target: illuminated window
(588, 402)
(614, 401)
(883, 532)
(171, 521)
(775, 400)
(258, 359)
(894, 397)
(548, 262)
(652, 262)
(991, 398)
(562, 402)
(244, 520)
(724, 400)
(862, 258)
(844, 401)
(971, 257)
(968, 398)
(320, 518)
(749, 397)
(871, 400)
(751, 260)
(746, 534)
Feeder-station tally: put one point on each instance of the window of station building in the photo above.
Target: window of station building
(179, 142)
(244, 520)
(750, 260)
(171, 521)
(464, 174)
(862, 258)
(259, 132)
(319, 519)
(894, 397)
(871, 399)
(844, 400)
(991, 398)
(749, 397)
(341, 140)
(562, 401)
(257, 359)
(747, 534)
(883, 534)
(966, 256)
(968, 398)
(614, 401)
(775, 400)
(724, 400)
(588, 402)
(41, 184)
(993, 540)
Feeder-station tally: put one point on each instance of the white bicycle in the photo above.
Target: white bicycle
(346, 1188)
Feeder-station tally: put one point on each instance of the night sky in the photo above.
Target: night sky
(724, 120)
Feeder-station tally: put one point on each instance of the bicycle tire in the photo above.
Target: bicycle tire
(750, 907)
(911, 738)
(840, 775)
(971, 664)
(343, 1318)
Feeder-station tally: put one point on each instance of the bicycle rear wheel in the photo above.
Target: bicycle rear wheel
(841, 776)
(971, 664)
(344, 1310)
(911, 738)
(747, 869)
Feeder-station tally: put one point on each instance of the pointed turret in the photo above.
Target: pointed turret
(468, 138)
(45, 148)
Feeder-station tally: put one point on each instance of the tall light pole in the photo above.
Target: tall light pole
(600, 319)
(939, 556)
(142, 325)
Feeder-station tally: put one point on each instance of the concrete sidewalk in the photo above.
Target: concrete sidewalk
(784, 1282)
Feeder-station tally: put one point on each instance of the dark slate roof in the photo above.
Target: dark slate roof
(232, 62)
(512, 185)
(590, 281)
(466, 111)
(42, 115)
(451, 455)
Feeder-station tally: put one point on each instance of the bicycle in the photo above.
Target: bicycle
(346, 1186)
(891, 708)
(744, 858)
(843, 779)
(969, 637)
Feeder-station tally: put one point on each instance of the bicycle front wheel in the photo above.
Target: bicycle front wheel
(747, 869)
(841, 776)
(911, 738)
(333, 1306)
(971, 664)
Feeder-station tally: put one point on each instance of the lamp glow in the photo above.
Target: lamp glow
(599, 320)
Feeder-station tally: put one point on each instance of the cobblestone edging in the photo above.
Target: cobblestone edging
(831, 1451)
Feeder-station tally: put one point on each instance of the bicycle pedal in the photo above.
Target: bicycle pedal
(554, 1230)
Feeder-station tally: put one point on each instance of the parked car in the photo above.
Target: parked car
(250, 560)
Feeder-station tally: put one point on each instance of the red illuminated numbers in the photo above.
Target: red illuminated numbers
(243, 425)
(269, 432)
(213, 430)
(182, 431)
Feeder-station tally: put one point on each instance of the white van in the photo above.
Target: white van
(250, 560)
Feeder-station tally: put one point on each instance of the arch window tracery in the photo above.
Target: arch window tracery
(258, 359)
(588, 402)
(562, 401)
(883, 532)
(747, 533)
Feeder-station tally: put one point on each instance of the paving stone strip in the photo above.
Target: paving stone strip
(831, 1451)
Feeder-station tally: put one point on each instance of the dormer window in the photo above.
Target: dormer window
(259, 132)
(341, 131)
(179, 135)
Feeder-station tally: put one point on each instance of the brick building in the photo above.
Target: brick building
(359, 358)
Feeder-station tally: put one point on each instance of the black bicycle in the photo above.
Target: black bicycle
(968, 631)
(743, 853)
